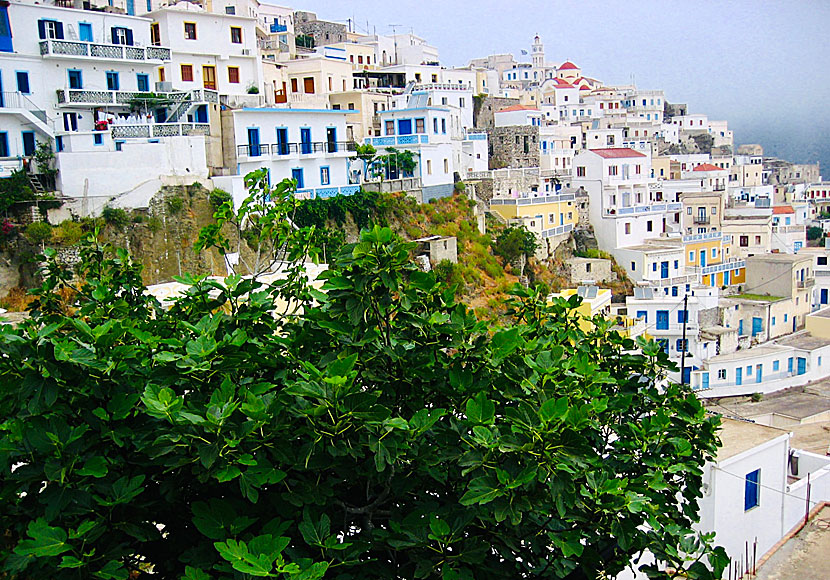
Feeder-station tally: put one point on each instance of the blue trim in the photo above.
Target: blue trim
(328, 171)
(17, 74)
(98, 139)
(6, 44)
(85, 26)
(69, 72)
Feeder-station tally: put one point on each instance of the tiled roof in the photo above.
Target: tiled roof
(568, 65)
(707, 167)
(779, 209)
(512, 108)
(617, 153)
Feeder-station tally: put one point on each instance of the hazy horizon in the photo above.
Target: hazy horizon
(759, 65)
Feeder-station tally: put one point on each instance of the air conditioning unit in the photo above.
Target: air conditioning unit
(246, 52)
(164, 87)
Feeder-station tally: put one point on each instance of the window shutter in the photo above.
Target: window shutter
(41, 29)
(129, 37)
(59, 30)
(114, 34)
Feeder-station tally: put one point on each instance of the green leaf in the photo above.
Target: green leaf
(481, 491)
(94, 467)
(480, 409)
(70, 562)
(554, 409)
(227, 473)
(439, 527)
(314, 533)
(45, 540)
(191, 573)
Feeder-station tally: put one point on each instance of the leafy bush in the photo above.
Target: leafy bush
(218, 197)
(814, 233)
(174, 204)
(154, 224)
(115, 217)
(68, 233)
(38, 232)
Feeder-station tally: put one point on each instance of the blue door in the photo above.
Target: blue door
(740, 328)
(85, 31)
(759, 373)
(662, 320)
(405, 127)
(739, 376)
(726, 278)
(705, 383)
(687, 375)
(297, 175)
(824, 295)
(29, 144)
(282, 141)
(254, 150)
(702, 258)
(802, 365)
(201, 114)
(790, 365)
(664, 270)
(305, 140)
(131, 7)
(757, 325)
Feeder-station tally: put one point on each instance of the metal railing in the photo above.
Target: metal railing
(73, 48)
(398, 140)
(701, 219)
(307, 148)
(806, 283)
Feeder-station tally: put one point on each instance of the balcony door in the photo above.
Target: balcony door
(209, 77)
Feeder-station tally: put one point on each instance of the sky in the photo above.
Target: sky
(764, 66)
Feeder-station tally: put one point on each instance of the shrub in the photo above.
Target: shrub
(218, 197)
(174, 204)
(757, 397)
(138, 218)
(115, 217)
(68, 233)
(154, 224)
(38, 232)
(460, 187)
(814, 233)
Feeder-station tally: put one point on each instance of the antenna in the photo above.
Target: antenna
(395, 38)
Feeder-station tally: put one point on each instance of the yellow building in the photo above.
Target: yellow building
(551, 217)
(595, 301)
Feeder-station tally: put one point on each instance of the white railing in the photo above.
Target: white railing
(154, 130)
(442, 87)
(75, 48)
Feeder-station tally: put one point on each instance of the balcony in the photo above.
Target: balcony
(70, 97)
(799, 229)
(284, 150)
(805, 283)
(399, 140)
(117, 52)
(155, 130)
(701, 219)
(273, 44)
(442, 87)
(322, 192)
(277, 27)
(477, 136)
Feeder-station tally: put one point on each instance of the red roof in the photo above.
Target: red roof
(563, 83)
(568, 65)
(779, 209)
(512, 108)
(617, 153)
(707, 167)
(584, 88)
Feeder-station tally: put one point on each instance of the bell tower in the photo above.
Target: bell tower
(538, 53)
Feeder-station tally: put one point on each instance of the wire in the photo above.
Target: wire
(759, 484)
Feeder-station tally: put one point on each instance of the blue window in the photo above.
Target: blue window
(662, 320)
(692, 257)
(676, 265)
(149, 5)
(654, 267)
(297, 175)
(444, 126)
(674, 290)
(790, 365)
(776, 365)
(254, 148)
(786, 316)
(325, 178)
(59, 143)
(29, 144)
(112, 81)
(664, 344)
(143, 82)
(85, 31)
(643, 314)
(405, 127)
(5, 31)
(22, 82)
(98, 139)
(682, 345)
(749, 370)
(752, 490)
(47, 28)
(75, 79)
(4, 144)
(773, 321)
(714, 252)
(435, 125)
(119, 145)
(682, 316)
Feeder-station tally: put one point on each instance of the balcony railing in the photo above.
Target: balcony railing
(75, 48)
(701, 219)
(277, 150)
(477, 136)
(85, 97)
(277, 27)
(806, 283)
(398, 140)
(153, 130)
(327, 192)
(442, 87)
(273, 44)
(799, 229)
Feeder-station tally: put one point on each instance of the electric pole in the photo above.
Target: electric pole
(683, 341)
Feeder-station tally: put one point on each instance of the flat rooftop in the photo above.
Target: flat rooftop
(805, 556)
(788, 258)
(803, 340)
(739, 436)
(823, 313)
(792, 404)
(753, 352)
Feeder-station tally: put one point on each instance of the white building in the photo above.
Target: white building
(306, 145)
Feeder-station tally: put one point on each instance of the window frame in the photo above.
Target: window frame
(182, 68)
(752, 490)
(237, 29)
(186, 33)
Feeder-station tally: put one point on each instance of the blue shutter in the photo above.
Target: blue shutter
(41, 29)
(114, 35)
(752, 489)
(59, 30)
(129, 37)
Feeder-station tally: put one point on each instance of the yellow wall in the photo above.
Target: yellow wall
(818, 325)
(707, 245)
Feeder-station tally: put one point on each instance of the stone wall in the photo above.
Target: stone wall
(442, 249)
(323, 32)
(483, 112)
(515, 146)
(590, 270)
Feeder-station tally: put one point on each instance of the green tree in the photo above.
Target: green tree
(380, 432)
(516, 244)
(38, 233)
(814, 233)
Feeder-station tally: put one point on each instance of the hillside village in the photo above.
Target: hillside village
(109, 106)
